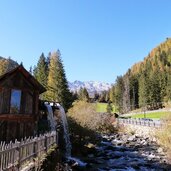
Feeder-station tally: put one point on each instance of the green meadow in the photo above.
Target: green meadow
(152, 115)
(101, 107)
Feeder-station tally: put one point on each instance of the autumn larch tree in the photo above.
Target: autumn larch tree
(57, 83)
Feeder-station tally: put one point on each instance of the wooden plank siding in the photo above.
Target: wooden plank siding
(19, 101)
(11, 130)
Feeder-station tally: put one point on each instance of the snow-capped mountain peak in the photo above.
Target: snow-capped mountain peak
(91, 86)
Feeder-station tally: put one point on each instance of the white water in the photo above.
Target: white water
(50, 117)
(66, 131)
(77, 161)
(53, 124)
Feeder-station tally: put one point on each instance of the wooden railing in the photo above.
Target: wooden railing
(141, 122)
(14, 156)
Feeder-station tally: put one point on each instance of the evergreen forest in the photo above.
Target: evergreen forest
(147, 84)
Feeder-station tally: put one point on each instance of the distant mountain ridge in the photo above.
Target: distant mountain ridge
(91, 86)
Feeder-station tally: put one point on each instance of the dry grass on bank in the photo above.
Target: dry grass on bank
(164, 135)
(84, 114)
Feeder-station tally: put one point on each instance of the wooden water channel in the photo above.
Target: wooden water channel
(17, 155)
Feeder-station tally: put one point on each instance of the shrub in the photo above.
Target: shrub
(85, 115)
(85, 124)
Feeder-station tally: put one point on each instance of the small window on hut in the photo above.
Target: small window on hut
(15, 101)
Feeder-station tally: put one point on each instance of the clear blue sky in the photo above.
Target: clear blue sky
(98, 39)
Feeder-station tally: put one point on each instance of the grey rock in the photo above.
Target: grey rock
(121, 152)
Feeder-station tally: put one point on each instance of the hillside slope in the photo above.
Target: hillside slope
(159, 58)
(6, 64)
(146, 84)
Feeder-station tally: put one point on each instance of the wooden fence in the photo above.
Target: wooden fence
(14, 156)
(141, 122)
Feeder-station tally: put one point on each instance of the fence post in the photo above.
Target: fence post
(57, 138)
(46, 146)
(35, 149)
(19, 155)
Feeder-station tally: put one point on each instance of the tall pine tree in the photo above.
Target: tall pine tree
(126, 94)
(57, 83)
(41, 73)
(119, 89)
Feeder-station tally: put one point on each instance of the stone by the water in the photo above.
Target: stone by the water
(123, 152)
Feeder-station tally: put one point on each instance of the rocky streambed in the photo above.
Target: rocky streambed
(121, 152)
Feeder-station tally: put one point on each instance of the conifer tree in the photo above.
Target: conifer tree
(109, 108)
(83, 94)
(41, 73)
(31, 70)
(168, 89)
(143, 90)
(119, 89)
(104, 96)
(112, 94)
(126, 94)
(134, 91)
(57, 83)
(155, 91)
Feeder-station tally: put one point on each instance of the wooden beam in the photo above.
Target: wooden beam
(17, 117)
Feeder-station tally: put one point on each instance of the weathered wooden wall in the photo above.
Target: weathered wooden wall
(11, 130)
(23, 123)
